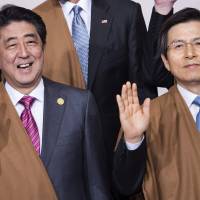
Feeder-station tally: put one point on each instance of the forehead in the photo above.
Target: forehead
(17, 30)
(184, 31)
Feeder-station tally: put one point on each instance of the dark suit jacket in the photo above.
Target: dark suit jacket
(129, 168)
(72, 147)
(119, 50)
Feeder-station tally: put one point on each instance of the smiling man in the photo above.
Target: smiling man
(21, 56)
(50, 135)
(172, 124)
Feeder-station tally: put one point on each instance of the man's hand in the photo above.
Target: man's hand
(163, 7)
(134, 118)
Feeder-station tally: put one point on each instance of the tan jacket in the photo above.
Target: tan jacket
(173, 147)
(59, 52)
(22, 174)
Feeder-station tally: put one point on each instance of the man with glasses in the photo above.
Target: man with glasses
(172, 122)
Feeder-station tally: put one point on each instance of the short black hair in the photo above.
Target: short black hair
(11, 13)
(182, 16)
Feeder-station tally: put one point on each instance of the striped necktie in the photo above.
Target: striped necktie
(81, 40)
(29, 122)
(197, 102)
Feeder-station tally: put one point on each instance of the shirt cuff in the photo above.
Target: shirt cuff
(134, 146)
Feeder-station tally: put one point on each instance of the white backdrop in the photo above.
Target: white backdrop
(146, 8)
(146, 5)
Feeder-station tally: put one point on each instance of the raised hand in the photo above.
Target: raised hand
(133, 116)
(164, 6)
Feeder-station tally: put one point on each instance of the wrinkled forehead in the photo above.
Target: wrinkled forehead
(184, 31)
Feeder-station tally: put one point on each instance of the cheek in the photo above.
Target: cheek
(7, 59)
(175, 63)
(38, 54)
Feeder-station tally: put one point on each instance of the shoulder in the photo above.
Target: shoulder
(63, 88)
(124, 3)
(124, 10)
(77, 99)
(45, 8)
(163, 106)
(123, 6)
(71, 93)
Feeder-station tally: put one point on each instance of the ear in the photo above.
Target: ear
(165, 61)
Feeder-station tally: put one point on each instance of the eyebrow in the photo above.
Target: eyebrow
(197, 38)
(193, 39)
(32, 35)
(10, 38)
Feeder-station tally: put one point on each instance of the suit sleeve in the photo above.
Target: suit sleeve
(140, 55)
(145, 66)
(136, 36)
(95, 160)
(159, 75)
(129, 169)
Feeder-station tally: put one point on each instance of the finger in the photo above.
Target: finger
(120, 104)
(129, 93)
(146, 107)
(135, 94)
(124, 95)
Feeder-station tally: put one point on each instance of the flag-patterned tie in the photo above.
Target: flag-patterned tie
(29, 122)
(81, 40)
(197, 102)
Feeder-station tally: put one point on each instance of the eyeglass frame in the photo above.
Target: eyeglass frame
(175, 45)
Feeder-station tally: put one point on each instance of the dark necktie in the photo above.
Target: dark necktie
(81, 40)
(197, 102)
(29, 122)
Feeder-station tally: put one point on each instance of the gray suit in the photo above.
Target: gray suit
(72, 148)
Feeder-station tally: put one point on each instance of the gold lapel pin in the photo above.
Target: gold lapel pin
(60, 101)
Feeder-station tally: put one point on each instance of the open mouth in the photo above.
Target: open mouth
(24, 66)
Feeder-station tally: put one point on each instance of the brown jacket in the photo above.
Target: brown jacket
(173, 151)
(22, 174)
(61, 62)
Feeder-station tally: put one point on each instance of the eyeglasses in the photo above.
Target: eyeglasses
(181, 45)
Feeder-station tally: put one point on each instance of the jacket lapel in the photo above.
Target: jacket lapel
(100, 26)
(53, 112)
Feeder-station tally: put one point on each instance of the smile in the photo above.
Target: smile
(24, 66)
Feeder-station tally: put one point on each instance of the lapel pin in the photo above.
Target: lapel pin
(60, 101)
(104, 21)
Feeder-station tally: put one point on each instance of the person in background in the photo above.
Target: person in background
(171, 121)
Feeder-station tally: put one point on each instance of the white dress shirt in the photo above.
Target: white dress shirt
(85, 13)
(188, 97)
(37, 107)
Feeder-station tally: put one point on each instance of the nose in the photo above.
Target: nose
(190, 51)
(22, 51)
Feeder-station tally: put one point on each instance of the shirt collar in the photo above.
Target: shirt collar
(187, 95)
(15, 95)
(84, 4)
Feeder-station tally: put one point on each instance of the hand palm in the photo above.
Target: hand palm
(134, 118)
(134, 121)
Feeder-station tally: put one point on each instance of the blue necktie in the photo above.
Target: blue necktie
(81, 40)
(197, 102)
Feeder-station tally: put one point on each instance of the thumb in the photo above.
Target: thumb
(146, 107)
